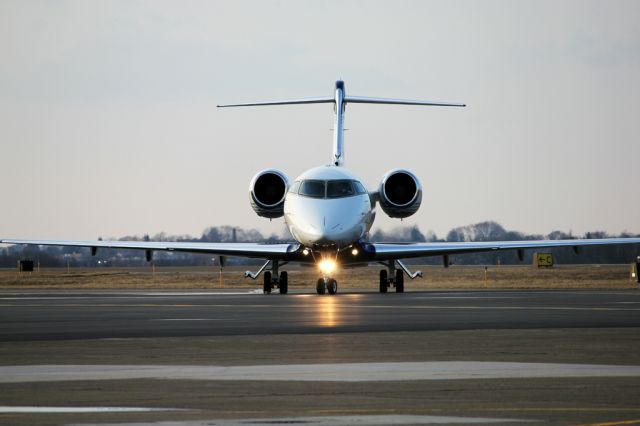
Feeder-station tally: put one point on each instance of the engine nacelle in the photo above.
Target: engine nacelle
(400, 193)
(267, 191)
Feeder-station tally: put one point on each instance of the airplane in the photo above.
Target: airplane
(329, 212)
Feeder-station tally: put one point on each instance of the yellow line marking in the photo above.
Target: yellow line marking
(622, 422)
(561, 409)
(132, 305)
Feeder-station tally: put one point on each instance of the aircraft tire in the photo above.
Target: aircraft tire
(383, 281)
(320, 287)
(399, 281)
(332, 286)
(284, 282)
(266, 287)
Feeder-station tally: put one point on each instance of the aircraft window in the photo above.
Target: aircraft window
(295, 187)
(360, 189)
(312, 188)
(339, 188)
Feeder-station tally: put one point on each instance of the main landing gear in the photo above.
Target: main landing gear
(271, 279)
(329, 285)
(281, 281)
(393, 276)
(397, 280)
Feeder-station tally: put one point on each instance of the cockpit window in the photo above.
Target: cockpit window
(359, 187)
(295, 187)
(312, 188)
(328, 189)
(339, 188)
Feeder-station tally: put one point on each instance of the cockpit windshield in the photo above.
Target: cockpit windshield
(328, 189)
(339, 188)
(312, 188)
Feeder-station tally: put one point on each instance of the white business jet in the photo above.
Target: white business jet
(329, 213)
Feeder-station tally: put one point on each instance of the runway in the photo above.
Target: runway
(90, 315)
(459, 357)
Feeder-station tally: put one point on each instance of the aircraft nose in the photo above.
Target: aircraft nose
(317, 230)
(335, 228)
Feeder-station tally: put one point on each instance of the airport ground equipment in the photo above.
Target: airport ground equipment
(329, 212)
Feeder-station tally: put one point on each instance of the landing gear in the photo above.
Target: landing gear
(272, 279)
(284, 282)
(384, 282)
(399, 281)
(332, 286)
(267, 284)
(326, 285)
(393, 276)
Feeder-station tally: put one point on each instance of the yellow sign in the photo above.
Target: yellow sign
(543, 260)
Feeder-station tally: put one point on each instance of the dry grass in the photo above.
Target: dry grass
(455, 277)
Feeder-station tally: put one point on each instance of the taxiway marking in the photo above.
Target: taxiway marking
(357, 420)
(41, 409)
(191, 319)
(341, 372)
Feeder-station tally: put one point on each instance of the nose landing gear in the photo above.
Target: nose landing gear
(332, 286)
(329, 285)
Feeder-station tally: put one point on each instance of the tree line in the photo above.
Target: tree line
(51, 256)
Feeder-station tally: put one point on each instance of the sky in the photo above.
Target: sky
(109, 125)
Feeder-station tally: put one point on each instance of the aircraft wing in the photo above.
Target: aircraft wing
(257, 250)
(388, 251)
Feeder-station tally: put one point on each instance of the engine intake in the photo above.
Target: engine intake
(268, 190)
(400, 193)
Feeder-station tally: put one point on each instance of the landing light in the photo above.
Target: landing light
(305, 252)
(354, 252)
(327, 266)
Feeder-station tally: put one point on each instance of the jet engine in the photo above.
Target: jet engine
(400, 193)
(268, 189)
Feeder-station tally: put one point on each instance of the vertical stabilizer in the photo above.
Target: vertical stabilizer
(338, 125)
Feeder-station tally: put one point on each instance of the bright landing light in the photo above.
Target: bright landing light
(327, 266)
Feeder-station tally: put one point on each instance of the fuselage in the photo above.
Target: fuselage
(329, 208)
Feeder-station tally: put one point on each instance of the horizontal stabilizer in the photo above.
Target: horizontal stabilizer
(365, 100)
(286, 102)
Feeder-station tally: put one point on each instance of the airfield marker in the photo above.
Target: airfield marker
(484, 285)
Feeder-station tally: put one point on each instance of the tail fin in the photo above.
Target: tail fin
(340, 100)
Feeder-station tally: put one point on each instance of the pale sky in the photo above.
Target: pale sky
(108, 124)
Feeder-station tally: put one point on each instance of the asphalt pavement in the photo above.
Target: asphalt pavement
(492, 357)
(91, 315)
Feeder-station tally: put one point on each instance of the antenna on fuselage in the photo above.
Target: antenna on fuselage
(340, 100)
